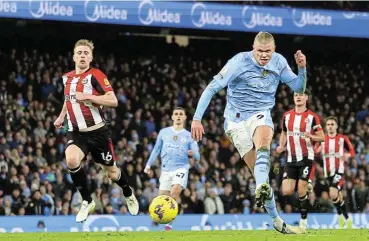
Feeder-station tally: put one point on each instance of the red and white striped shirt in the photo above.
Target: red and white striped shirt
(295, 125)
(84, 114)
(333, 150)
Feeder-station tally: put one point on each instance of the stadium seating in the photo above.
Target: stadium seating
(150, 77)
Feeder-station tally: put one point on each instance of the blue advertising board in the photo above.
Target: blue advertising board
(195, 15)
(96, 223)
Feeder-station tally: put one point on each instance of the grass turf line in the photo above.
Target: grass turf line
(313, 235)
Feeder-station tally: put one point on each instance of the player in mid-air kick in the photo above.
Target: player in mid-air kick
(176, 146)
(86, 91)
(252, 79)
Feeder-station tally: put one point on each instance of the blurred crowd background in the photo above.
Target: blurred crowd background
(151, 76)
(331, 5)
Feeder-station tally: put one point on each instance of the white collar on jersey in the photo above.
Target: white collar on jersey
(177, 131)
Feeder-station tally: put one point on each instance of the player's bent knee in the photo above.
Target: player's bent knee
(302, 188)
(73, 162)
(263, 137)
(264, 145)
(302, 191)
(73, 156)
(287, 191)
(112, 175)
(333, 195)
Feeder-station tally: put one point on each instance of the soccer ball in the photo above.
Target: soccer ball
(163, 209)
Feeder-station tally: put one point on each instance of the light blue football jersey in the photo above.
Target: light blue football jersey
(173, 147)
(251, 87)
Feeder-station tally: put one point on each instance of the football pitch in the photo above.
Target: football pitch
(315, 235)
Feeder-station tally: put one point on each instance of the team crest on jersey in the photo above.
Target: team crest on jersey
(307, 120)
(84, 81)
(106, 82)
(175, 138)
(265, 73)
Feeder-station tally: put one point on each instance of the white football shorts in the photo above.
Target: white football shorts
(168, 179)
(241, 133)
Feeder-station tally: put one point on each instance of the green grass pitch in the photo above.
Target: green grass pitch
(314, 235)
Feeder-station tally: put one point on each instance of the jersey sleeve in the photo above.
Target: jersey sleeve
(296, 82)
(316, 124)
(230, 71)
(100, 82)
(348, 146)
(157, 149)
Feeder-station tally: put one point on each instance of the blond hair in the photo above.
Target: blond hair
(85, 42)
(264, 38)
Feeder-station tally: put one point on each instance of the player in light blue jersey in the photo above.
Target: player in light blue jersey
(252, 79)
(176, 146)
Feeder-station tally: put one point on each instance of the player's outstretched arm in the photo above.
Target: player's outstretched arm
(107, 99)
(221, 80)
(296, 82)
(59, 121)
(154, 153)
(282, 142)
(197, 130)
(318, 136)
(205, 99)
(349, 147)
(100, 83)
(283, 137)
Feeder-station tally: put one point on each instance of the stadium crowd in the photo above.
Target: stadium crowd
(33, 173)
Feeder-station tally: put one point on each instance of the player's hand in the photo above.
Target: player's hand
(147, 170)
(308, 135)
(58, 123)
(190, 153)
(300, 59)
(346, 156)
(81, 96)
(280, 149)
(197, 130)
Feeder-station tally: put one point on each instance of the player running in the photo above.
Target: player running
(252, 79)
(86, 91)
(333, 154)
(175, 145)
(300, 130)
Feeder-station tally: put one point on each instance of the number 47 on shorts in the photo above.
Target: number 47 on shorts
(180, 175)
